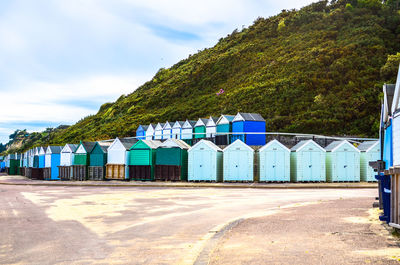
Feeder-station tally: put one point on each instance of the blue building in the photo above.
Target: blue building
(141, 132)
(249, 128)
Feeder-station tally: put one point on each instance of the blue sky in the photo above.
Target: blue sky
(60, 60)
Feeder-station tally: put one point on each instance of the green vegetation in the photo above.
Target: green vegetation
(315, 70)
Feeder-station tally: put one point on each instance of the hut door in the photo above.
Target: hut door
(341, 167)
(199, 165)
(279, 169)
(270, 164)
(316, 166)
(307, 167)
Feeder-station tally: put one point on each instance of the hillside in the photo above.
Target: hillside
(314, 70)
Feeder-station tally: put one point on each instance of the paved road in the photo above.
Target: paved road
(103, 225)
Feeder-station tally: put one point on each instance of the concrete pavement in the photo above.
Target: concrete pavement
(20, 180)
(148, 225)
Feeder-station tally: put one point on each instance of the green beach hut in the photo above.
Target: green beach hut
(172, 160)
(142, 158)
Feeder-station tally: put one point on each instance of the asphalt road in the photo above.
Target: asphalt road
(104, 225)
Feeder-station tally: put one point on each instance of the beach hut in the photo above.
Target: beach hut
(244, 125)
(307, 162)
(98, 161)
(117, 158)
(158, 131)
(386, 125)
(167, 131)
(200, 128)
(274, 161)
(211, 127)
(13, 164)
(82, 160)
(171, 160)
(52, 161)
(42, 154)
(187, 131)
(177, 130)
(238, 162)
(22, 164)
(205, 162)
(141, 131)
(150, 131)
(370, 151)
(342, 162)
(142, 158)
(66, 159)
(224, 128)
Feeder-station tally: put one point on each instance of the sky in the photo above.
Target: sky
(61, 60)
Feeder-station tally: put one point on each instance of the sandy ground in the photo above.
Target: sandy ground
(114, 225)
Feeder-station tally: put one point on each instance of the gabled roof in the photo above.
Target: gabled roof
(201, 122)
(72, 147)
(300, 145)
(388, 93)
(153, 144)
(237, 142)
(395, 104)
(367, 145)
(142, 127)
(151, 126)
(241, 116)
(88, 146)
(225, 119)
(167, 126)
(272, 142)
(171, 143)
(212, 121)
(208, 143)
(189, 124)
(103, 145)
(159, 126)
(51, 149)
(178, 124)
(128, 142)
(332, 147)
(42, 150)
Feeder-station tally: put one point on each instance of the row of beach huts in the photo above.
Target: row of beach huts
(228, 148)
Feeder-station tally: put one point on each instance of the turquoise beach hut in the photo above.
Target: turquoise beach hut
(205, 162)
(370, 151)
(342, 162)
(274, 161)
(307, 162)
(238, 162)
(224, 128)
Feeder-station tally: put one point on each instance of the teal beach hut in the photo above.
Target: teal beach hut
(307, 162)
(238, 162)
(224, 128)
(200, 128)
(205, 162)
(274, 161)
(342, 162)
(370, 151)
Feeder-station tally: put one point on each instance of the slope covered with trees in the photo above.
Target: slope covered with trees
(315, 70)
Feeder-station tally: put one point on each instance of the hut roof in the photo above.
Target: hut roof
(365, 146)
(241, 116)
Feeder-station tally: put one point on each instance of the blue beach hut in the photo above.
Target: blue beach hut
(274, 161)
(41, 155)
(244, 124)
(370, 151)
(307, 162)
(205, 162)
(238, 162)
(141, 132)
(342, 162)
(52, 162)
